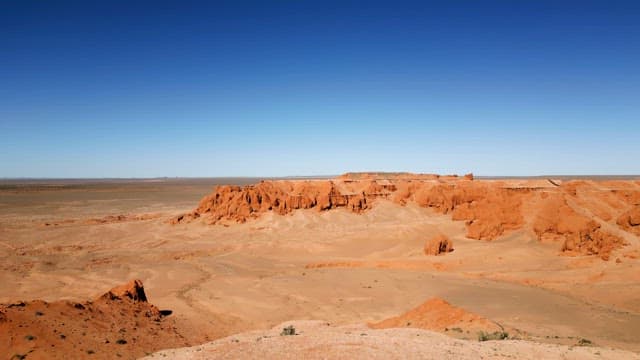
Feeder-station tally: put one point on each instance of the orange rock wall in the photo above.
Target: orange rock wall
(489, 209)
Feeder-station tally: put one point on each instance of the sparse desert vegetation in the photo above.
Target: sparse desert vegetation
(496, 335)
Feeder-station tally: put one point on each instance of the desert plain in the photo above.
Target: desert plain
(364, 265)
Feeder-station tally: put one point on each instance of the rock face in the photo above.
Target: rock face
(133, 290)
(556, 220)
(439, 244)
(488, 211)
(120, 323)
(235, 203)
(630, 220)
(438, 315)
(563, 212)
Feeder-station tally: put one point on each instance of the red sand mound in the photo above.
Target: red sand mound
(439, 244)
(438, 315)
(118, 324)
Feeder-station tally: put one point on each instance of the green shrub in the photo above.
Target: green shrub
(289, 330)
(497, 335)
(585, 342)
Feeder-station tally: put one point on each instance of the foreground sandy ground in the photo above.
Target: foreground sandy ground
(318, 340)
(74, 242)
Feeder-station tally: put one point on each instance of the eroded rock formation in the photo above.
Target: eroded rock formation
(489, 208)
(556, 220)
(235, 203)
(120, 323)
(133, 291)
(630, 220)
(438, 244)
(488, 211)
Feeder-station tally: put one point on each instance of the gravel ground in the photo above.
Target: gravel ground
(320, 340)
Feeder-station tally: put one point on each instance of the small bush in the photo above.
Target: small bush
(585, 342)
(121, 341)
(289, 330)
(30, 337)
(498, 335)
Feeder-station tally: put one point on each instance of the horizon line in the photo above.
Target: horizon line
(316, 176)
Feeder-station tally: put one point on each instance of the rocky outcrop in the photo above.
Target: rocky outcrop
(119, 322)
(556, 220)
(235, 203)
(630, 220)
(438, 244)
(132, 291)
(489, 209)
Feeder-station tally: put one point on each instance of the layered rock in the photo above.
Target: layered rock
(490, 209)
(556, 220)
(235, 203)
(630, 220)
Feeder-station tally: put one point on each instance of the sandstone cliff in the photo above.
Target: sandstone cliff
(557, 211)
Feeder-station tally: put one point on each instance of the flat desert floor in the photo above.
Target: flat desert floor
(74, 240)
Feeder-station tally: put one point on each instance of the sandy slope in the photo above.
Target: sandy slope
(318, 340)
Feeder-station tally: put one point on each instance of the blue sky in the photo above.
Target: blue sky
(274, 88)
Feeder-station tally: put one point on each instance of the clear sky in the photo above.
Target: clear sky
(273, 88)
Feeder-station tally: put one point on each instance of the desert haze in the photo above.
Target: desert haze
(364, 265)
